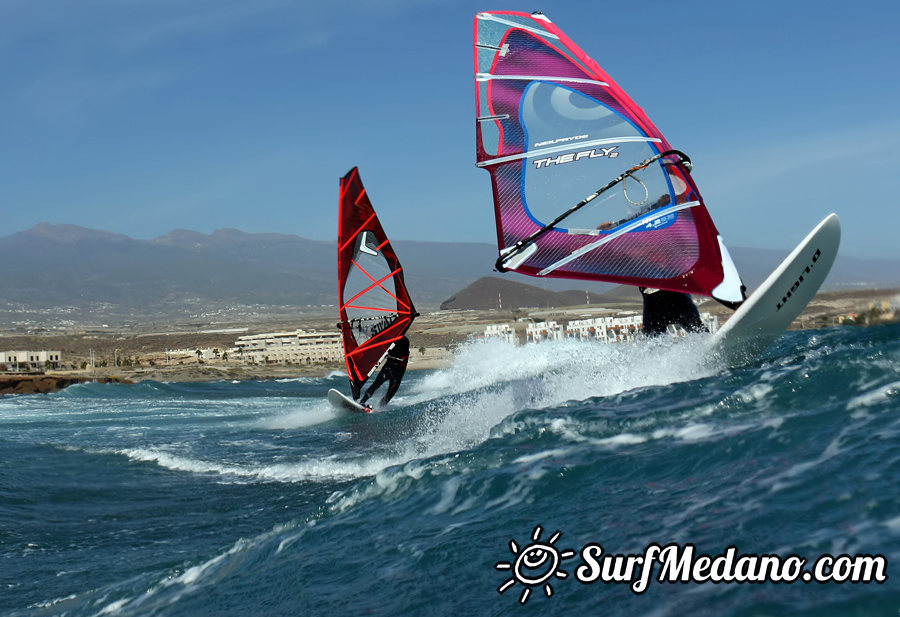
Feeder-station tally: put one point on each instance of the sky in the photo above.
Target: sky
(140, 117)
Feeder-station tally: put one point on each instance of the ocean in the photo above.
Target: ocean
(512, 468)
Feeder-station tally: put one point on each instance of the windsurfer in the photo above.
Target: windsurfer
(662, 307)
(392, 371)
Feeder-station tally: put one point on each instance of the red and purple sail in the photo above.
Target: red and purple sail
(375, 307)
(552, 129)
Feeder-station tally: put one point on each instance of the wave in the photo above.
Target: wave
(794, 453)
(328, 468)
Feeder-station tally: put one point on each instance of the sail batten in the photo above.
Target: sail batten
(375, 307)
(609, 238)
(492, 17)
(552, 127)
(573, 80)
(556, 149)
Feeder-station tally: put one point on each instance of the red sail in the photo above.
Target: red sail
(375, 307)
(553, 129)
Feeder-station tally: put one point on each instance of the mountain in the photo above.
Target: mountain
(754, 265)
(491, 292)
(56, 267)
(183, 272)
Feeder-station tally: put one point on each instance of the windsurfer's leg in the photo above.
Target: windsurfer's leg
(395, 376)
(662, 308)
(379, 379)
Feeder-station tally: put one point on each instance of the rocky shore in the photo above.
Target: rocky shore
(43, 384)
(210, 371)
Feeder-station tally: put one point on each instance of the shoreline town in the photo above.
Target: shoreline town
(45, 360)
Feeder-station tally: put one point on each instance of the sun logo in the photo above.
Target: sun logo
(535, 565)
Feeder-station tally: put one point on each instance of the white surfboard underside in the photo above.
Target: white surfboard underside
(772, 308)
(341, 402)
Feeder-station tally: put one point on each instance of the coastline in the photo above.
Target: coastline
(146, 350)
(54, 381)
(45, 384)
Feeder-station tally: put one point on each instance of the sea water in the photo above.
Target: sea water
(256, 498)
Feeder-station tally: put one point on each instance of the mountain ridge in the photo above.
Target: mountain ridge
(51, 266)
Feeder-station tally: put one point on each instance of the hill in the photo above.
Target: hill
(82, 272)
(71, 273)
(491, 292)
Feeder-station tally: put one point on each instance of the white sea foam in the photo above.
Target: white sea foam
(569, 370)
(329, 468)
(874, 397)
(304, 415)
(448, 496)
(298, 380)
(754, 393)
(115, 607)
(540, 456)
(893, 525)
(623, 439)
(789, 478)
(491, 380)
(386, 482)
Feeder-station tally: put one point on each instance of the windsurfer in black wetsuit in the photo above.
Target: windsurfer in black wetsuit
(662, 308)
(392, 371)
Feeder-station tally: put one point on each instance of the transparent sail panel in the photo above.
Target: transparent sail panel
(369, 292)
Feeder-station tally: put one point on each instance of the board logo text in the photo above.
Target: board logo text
(799, 280)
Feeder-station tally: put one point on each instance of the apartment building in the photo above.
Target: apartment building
(502, 331)
(605, 329)
(618, 329)
(298, 347)
(30, 360)
(544, 331)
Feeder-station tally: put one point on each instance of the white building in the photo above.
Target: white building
(299, 347)
(585, 330)
(30, 360)
(605, 329)
(544, 331)
(502, 331)
(624, 328)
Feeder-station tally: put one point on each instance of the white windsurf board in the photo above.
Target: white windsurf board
(344, 403)
(772, 308)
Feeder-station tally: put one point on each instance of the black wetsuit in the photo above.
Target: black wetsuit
(392, 371)
(662, 308)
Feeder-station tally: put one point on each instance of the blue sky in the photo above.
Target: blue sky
(144, 116)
